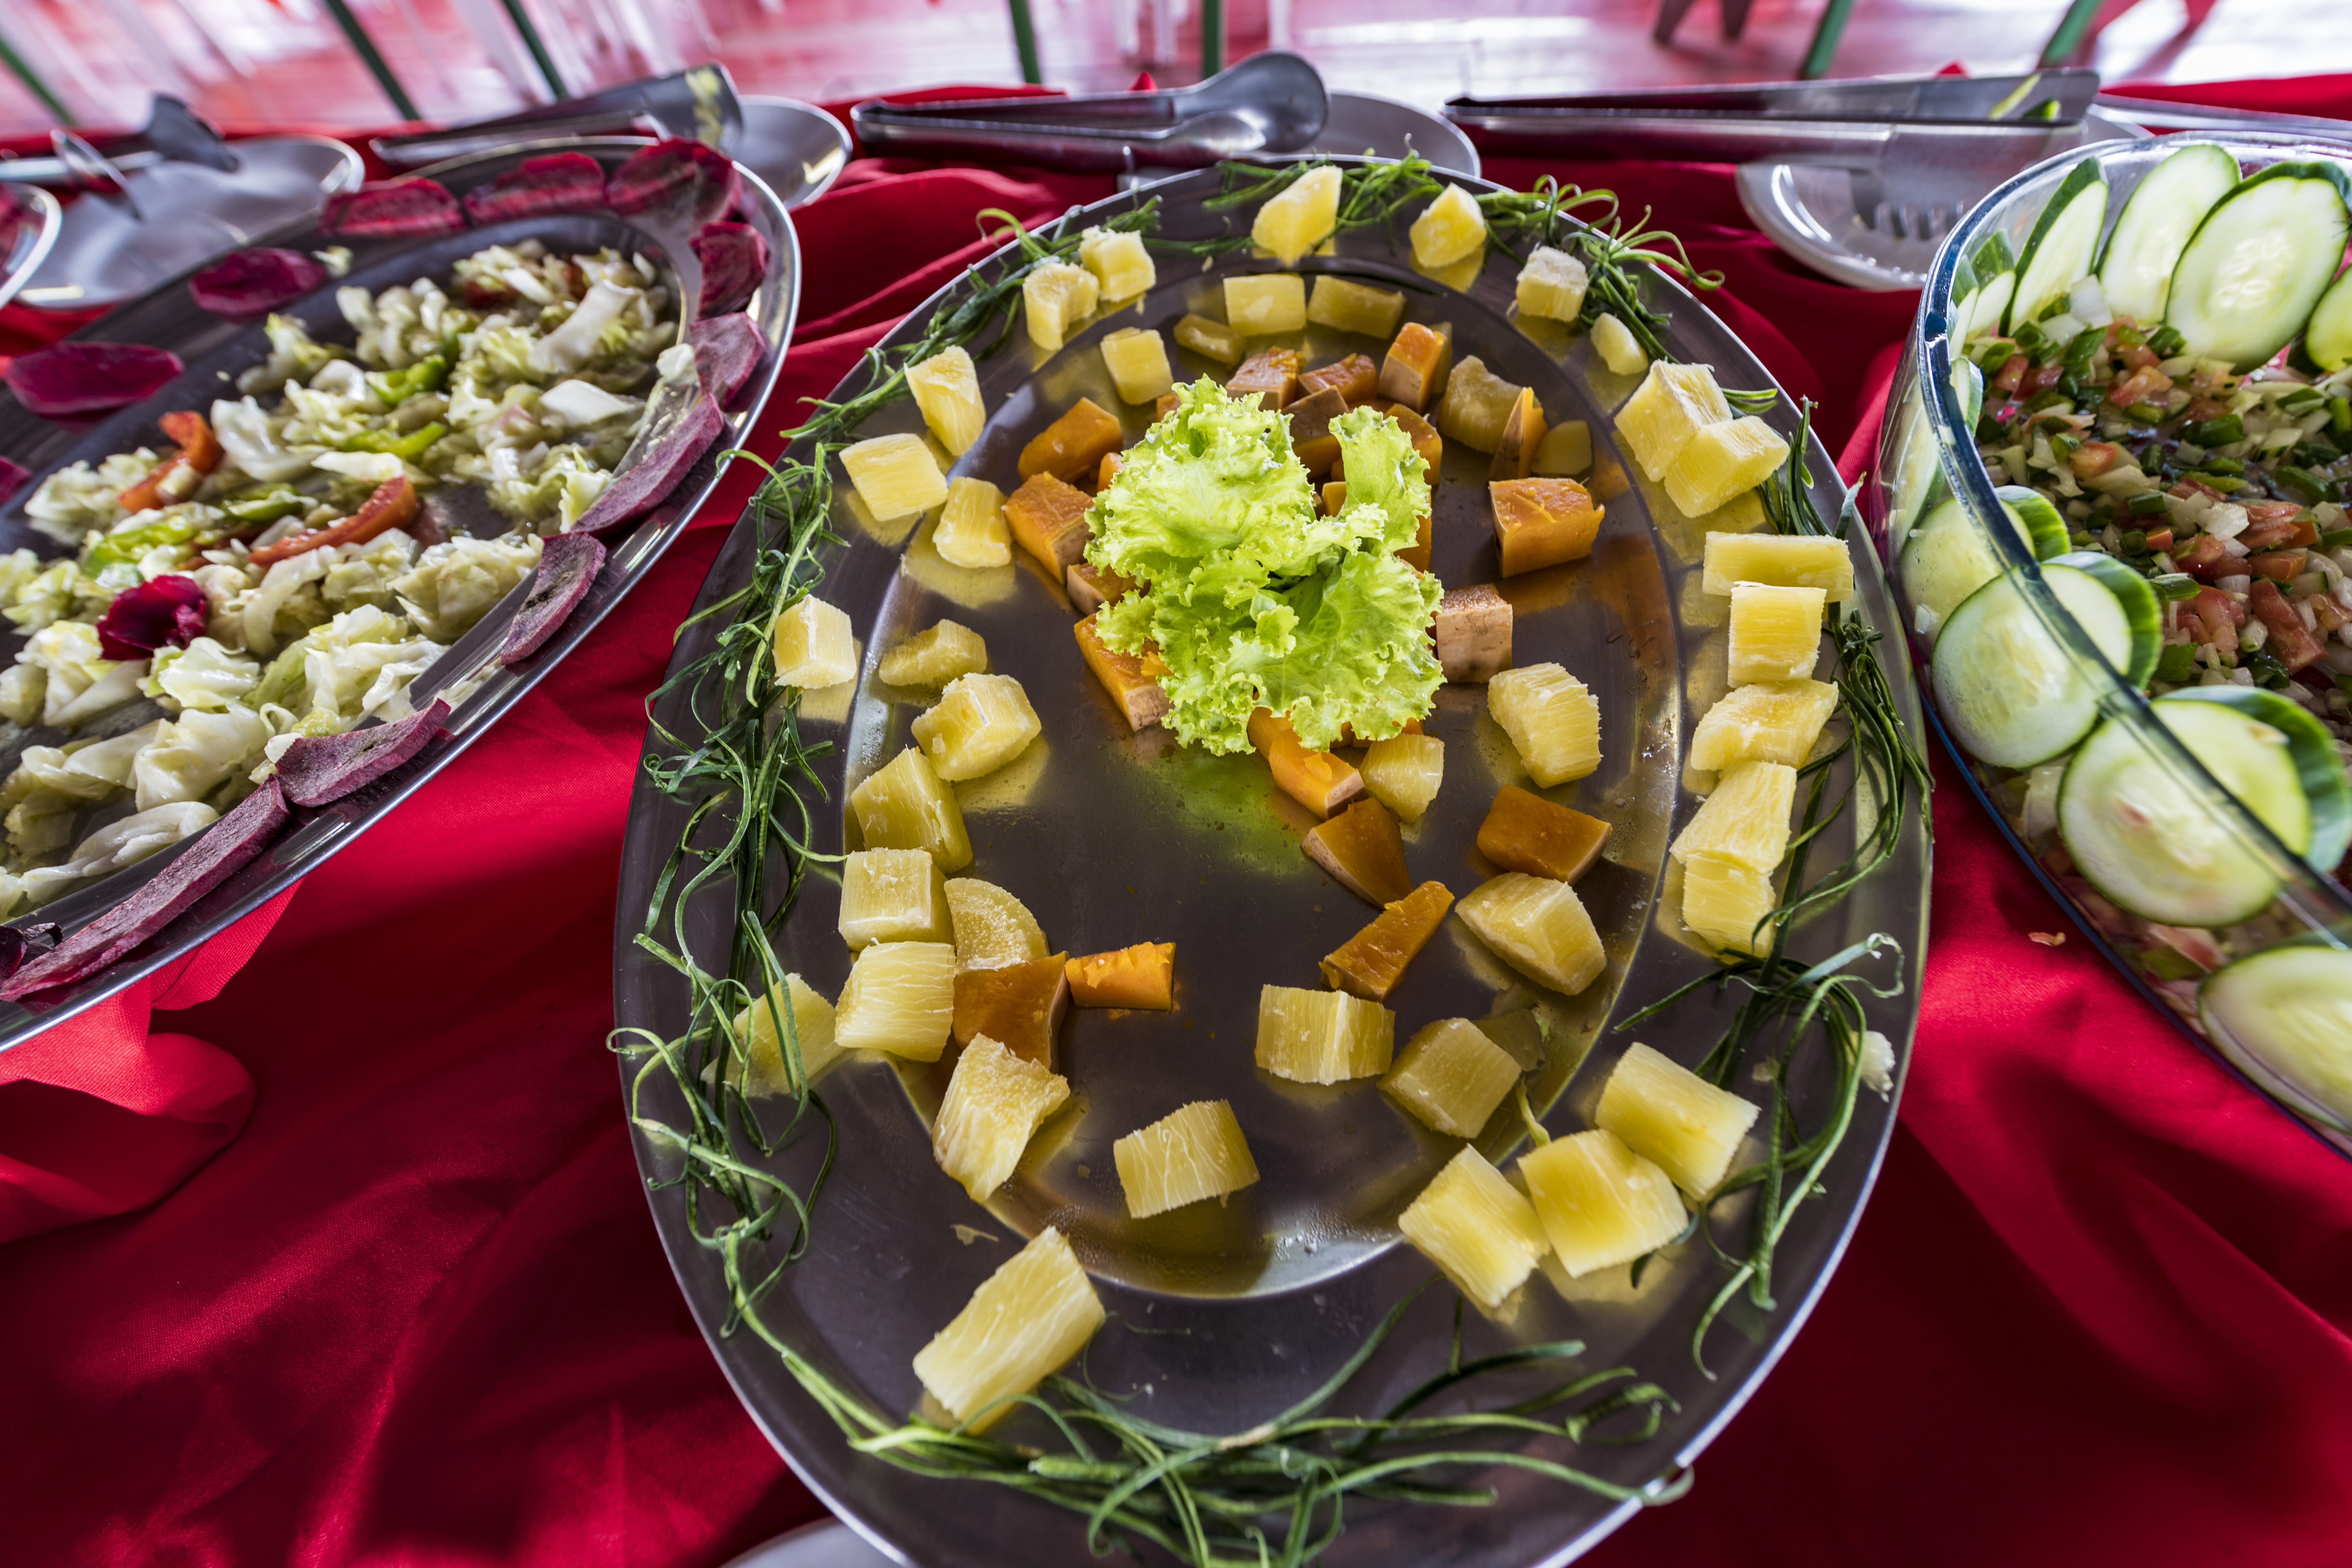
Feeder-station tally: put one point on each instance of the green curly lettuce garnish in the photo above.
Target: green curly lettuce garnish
(1252, 597)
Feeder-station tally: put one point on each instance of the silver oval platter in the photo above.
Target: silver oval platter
(1223, 1315)
(214, 352)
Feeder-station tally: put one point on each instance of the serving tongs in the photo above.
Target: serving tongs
(697, 104)
(173, 135)
(1271, 102)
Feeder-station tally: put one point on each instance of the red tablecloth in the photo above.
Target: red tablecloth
(414, 1312)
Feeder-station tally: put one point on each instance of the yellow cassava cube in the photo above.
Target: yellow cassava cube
(802, 1010)
(1025, 1320)
(1782, 559)
(981, 722)
(1137, 362)
(947, 389)
(993, 930)
(1746, 820)
(1187, 1155)
(1723, 901)
(896, 475)
(972, 530)
(1619, 349)
(1601, 1204)
(1477, 1228)
(815, 648)
(1764, 722)
(1721, 462)
(1448, 229)
(1261, 304)
(1056, 297)
(1674, 1119)
(1122, 267)
(1538, 927)
(1476, 406)
(1322, 1037)
(994, 1102)
(1403, 773)
(1451, 1077)
(1775, 633)
(1294, 222)
(1673, 402)
(1551, 285)
(900, 998)
(892, 895)
(935, 656)
(903, 805)
(1212, 339)
(1565, 451)
(1351, 307)
(1553, 720)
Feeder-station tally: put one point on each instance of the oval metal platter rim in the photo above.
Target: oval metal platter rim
(313, 836)
(923, 1522)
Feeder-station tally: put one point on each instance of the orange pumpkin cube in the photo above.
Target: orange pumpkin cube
(1091, 587)
(1132, 683)
(1143, 976)
(1542, 523)
(1048, 520)
(1018, 1006)
(1373, 960)
(1071, 447)
(1356, 379)
(1414, 373)
(1310, 430)
(1164, 406)
(1272, 375)
(1525, 832)
(1425, 439)
(1523, 431)
(1316, 779)
(1106, 472)
(1361, 850)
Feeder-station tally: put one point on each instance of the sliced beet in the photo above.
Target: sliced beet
(554, 182)
(14, 474)
(385, 208)
(218, 853)
(661, 173)
(164, 612)
(317, 769)
(636, 491)
(734, 263)
(78, 377)
(568, 565)
(247, 285)
(727, 350)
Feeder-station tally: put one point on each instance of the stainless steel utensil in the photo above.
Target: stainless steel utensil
(2156, 114)
(699, 103)
(797, 148)
(173, 135)
(1272, 102)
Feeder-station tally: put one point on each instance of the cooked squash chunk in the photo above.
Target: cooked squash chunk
(1619, 349)
(1019, 1004)
(1782, 559)
(896, 475)
(1403, 773)
(1673, 402)
(935, 656)
(1775, 633)
(1764, 722)
(1132, 683)
(1356, 379)
(903, 805)
(1316, 779)
(1448, 229)
(1451, 1077)
(1361, 849)
(1322, 1037)
(1746, 820)
(1722, 462)
(981, 722)
(1071, 447)
(993, 928)
(1056, 297)
(809, 1017)
(1538, 927)
(1551, 285)
(1601, 1205)
(1137, 359)
(1427, 444)
(892, 895)
(1552, 720)
(947, 390)
(1476, 406)
(1091, 587)
(1370, 962)
(1525, 832)
(1210, 340)
(1352, 307)
(1108, 471)
(900, 998)
(1187, 1155)
(1414, 371)
(1122, 267)
(972, 530)
(1477, 1228)
(1723, 901)
(1024, 1320)
(1674, 1119)
(1523, 432)
(815, 648)
(1473, 633)
(1542, 523)
(1293, 222)
(1142, 976)
(1565, 451)
(1262, 304)
(995, 1100)
(1271, 375)
(1048, 520)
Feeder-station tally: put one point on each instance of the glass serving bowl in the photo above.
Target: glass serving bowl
(2297, 1046)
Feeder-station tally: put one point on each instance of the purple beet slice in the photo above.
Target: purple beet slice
(16, 944)
(317, 769)
(568, 565)
(635, 492)
(247, 285)
(727, 350)
(734, 263)
(75, 377)
(389, 208)
(218, 853)
(656, 174)
(164, 612)
(14, 474)
(554, 182)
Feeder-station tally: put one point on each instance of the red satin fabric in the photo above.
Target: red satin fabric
(415, 1313)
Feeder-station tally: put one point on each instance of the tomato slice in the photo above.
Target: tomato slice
(392, 505)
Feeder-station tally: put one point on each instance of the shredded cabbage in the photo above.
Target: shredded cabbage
(203, 676)
(454, 583)
(195, 753)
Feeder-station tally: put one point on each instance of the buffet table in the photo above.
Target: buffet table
(409, 1308)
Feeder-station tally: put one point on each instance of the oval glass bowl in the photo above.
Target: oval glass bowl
(1927, 450)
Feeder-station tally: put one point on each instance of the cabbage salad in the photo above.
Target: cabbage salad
(282, 572)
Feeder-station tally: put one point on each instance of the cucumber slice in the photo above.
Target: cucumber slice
(2136, 268)
(2058, 253)
(2285, 1017)
(2328, 337)
(1948, 557)
(2138, 602)
(2326, 793)
(1920, 482)
(1992, 301)
(2038, 519)
(1965, 288)
(1995, 267)
(2011, 692)
(2249, 276)
(2149, 843)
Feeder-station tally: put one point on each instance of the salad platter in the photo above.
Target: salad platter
(411, 452)
(906, 678)
(2114, 494)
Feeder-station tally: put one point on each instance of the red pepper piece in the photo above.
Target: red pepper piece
(391, 506)
(200, 450)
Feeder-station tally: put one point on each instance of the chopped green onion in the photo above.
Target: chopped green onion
(2337, 539)
(405, 448)
(2223, 465)
(2048, 397)
(2167, 342)
(2216, 432)
(2302, 400)
(2268, 669)
(2227, 484)
(2129, 337)
(2300, 484)
(2176, 585)
(2147, 503)
(2149, 414)
(2132, 542)
(2066, 444)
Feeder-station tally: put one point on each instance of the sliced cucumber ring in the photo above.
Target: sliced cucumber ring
(2013, 694)
(1919, 478)
(2249, 276)
(2139, 605)
(2328, 337)
(2152, 845)
(2325, 813)
(2058, 253)
(2136, 268)
(1995, 267)
(1948, 557)
(2285, 1017)
(2038, 519)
